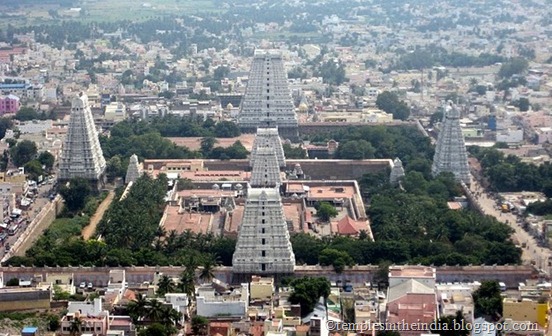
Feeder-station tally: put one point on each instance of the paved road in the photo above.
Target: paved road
(39, 202)
(532, 253)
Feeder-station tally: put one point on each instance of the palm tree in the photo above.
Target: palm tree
(207, 269)
(154, 310)
(170, 316)
(165, 285)
(137, 308)
(187, 285)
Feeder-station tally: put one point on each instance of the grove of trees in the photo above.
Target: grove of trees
(510, 174)
(390, 103)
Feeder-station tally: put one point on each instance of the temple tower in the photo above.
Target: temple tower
(134, 170)
(397, 172)
(263, 245)
(265, 173)
(82, 155)
(268, 137)
(267, 101)
(450, 152)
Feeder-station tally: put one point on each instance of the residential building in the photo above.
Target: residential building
(229, 305)
(411, 296)
(115, 111)
(9, 104)
(534, 311)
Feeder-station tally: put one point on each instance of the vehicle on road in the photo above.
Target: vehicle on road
(82, 285)
(90, 285)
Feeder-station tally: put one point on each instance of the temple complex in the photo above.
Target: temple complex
(450, 152)
(267, 101)
(82, 155)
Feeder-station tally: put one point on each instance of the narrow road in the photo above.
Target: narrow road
(90, 229)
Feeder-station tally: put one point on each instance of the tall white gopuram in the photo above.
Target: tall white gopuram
(265, 172)
(267, 101)
(397, 172)
(450, 152)
(263, 245)
(268, 137)
(81, 155)
(134, 170)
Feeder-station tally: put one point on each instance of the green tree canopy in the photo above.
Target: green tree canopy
(390, 103)
(23, 152)
(75, 194)
(488, 301)
(308, 291)
(326, 211)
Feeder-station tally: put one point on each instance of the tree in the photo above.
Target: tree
(114, 168)
(165, 285)
(488, 301)
(199, 325)
(53, 323)
(75, 194)
(26, 114)
(12, 282)
(307, 292)
(447, 325)
(47, 160)
(23, 152)
(184, 184)
(226, 129)
(137, 308)
(338, 259)
(156, 329)
(390, 103)
(207, 269)
(515, 66)
(33, 169)
(207, 145)
(326, 211)
(5, 124)
(186, 284)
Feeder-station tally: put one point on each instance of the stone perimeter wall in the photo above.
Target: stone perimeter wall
(510, 275)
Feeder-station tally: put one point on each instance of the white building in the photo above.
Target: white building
(115, 111)
(233, 304)
(35, 126)
(510, 135)
(85, 307)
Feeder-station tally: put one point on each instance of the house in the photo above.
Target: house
(233, 304)
(411, 296)
(9, 104)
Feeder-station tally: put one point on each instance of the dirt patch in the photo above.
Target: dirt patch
(89, 230)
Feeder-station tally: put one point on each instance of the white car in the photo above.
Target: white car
(82, 285)
(90, 285)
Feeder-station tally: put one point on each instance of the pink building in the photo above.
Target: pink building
(9, 104)
(412, 300)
